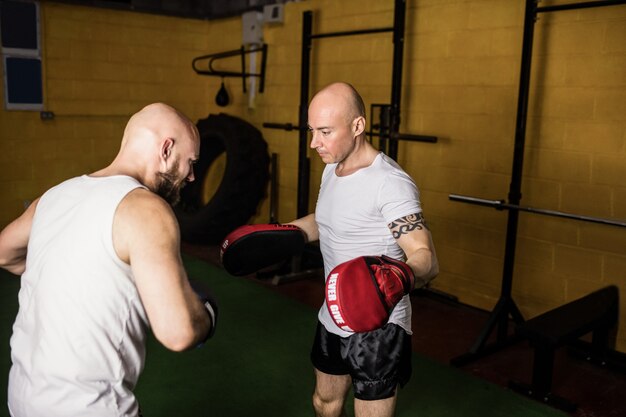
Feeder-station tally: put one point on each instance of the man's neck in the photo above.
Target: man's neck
(362, 157)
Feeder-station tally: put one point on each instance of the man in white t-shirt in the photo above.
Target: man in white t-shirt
(367, 206)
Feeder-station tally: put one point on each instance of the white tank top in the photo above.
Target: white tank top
(78, 343)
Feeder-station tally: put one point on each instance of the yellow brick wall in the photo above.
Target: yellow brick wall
(100, 66)
(462, 87)
(460, 83)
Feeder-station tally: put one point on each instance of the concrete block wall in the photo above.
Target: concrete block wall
(460, 83)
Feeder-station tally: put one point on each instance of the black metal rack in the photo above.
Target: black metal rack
(389, 139)
(241, 52)
(506, 306)
(307, 42)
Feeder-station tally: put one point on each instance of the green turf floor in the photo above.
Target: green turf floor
(258, 365)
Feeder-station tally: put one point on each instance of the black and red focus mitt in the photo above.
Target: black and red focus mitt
(251, 248)
(361, 293)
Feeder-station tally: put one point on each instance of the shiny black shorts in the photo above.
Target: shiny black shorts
(377, 361)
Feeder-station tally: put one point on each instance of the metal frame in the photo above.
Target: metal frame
(307, 43)
(392, 135)
(506, 306)
(502, 205)
(227, 54)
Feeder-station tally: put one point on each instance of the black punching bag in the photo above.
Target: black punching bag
(221, 99)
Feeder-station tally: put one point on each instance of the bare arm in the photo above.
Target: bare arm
(146, 235)
(416, 241)
(14, 241)
(309, 226)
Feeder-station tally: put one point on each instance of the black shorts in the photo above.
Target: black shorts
(377, 361)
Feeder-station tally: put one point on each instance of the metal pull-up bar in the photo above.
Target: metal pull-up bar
(502, 205)
(581, 5)
(406, 136)
(397, 136)
(350, 33)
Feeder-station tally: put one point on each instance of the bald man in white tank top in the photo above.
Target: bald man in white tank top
(99, 259)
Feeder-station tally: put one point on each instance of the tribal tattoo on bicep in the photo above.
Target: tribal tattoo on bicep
(406, 224)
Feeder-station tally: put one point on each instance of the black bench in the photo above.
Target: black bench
(596, 312)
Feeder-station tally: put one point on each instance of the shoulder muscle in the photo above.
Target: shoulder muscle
(143, 220)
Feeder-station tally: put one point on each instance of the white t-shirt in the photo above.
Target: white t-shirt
(353, 213)
(78, 343)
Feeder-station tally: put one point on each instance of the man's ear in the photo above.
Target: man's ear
(358, 126)
(166, 148)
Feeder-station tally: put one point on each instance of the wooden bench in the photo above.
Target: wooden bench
(596, 312)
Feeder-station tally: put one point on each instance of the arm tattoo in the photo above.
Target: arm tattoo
(406, 224)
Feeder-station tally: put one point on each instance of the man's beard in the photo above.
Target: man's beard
(169, 187)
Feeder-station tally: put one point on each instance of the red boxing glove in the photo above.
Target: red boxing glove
(251, 248)
(361, 293)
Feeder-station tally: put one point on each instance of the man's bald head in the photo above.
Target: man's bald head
(343, 97)
(156, 121)
(159, 147)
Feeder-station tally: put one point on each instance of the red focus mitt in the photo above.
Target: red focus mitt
(251, 248)
(361, 293)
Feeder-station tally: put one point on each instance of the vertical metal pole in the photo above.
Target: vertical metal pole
(274, 188)
(243, 68)
(515, 188)
(303, 163)
(383, 122)
(396, 76)
(263, 65)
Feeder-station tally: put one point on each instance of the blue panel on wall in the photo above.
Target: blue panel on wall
(19, 25)
(23, 80)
